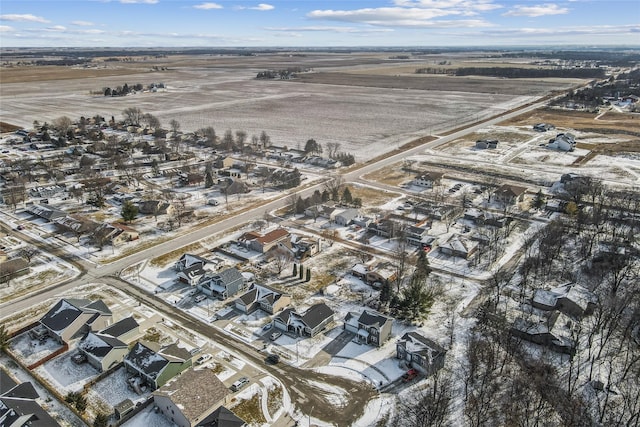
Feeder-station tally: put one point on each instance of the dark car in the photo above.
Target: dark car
(273, 359)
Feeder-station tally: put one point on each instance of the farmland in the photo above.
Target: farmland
(366, 114)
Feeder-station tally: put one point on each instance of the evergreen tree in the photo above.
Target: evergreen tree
(295, 270)
(301, 271)
(129, 211)
(346, 196)
(101, 420)
(308, 274)
(385, 293)
(539, 202)
(208, 180)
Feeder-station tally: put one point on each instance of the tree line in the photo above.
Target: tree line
(517, 72)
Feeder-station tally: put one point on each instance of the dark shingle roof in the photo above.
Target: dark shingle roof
(222, 417)
(121, 327)
(146, 360)
(100, 345)
(371, 318)
(63, 313)
(316, 314)
(6, 382)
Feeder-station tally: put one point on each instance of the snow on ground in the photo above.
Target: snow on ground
(149, 418)
(337, 396)
(30, 351)
(66, 376)
(376, 409)
(113, 388)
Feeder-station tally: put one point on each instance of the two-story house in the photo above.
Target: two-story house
(420, 353)
(154, 365)
(71, 318)
(262, 297)
(369, 326)
(102, 351)
(222, 285)
(191, 268)
(308, 324)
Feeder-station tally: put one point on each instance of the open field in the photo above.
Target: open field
(578, 120)
(367, 115)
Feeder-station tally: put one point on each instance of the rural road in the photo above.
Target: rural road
(303, 394)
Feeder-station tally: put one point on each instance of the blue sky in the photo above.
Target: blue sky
(221, 23)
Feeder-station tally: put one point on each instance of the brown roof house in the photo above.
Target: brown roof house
(309, 324)
(510, 194)
(420, 353)
(262, 297)
(70, 318)
(188, 399)
(264, 242)
(115, 233)
(369, 326)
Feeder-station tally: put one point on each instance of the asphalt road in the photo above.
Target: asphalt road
(305, 396)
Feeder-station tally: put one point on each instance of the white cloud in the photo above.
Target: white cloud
(466, 6)
(330, 29)
(598, 30)
(208, 6)
(56, 28)
(23, 18)
(398, 16)
(263, 6)
(83, 23)
(139, 1)
(538, 10)
(5, 28)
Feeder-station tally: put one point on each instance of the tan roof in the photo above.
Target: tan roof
(195, 392)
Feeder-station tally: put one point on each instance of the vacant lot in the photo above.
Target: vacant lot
(578, 120)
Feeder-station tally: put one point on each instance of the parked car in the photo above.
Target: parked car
(409, 375)
(266, 327)
(273, 359)
(200, 298)
(239, 384)
(200, 360)
(79, 358)
(275, 335)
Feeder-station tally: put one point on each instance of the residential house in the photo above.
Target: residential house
(416, 233)
(428, 179)
(510, 194)
(71, 318)
(102, 351)
(381, 273)
(222, 285)
(264, 242)
(420, 353)
(115, 233)
(188, 399)
(191, 268)
(382, 227)
(305, 247)
(126, 329)
(222, 417)
(262, 297)
(483, 144)
(223, 162)
(562, 142)
(360, 271)
(322, 211)
(459, 246)
(309, 324)
(154, 207)
(543, 127)
(553, 330)
(345, 217)
(45, 212)
(156, 366)
(369, 326)
(19, 405)
(571, 299)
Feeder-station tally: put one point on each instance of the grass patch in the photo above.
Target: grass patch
(154, 335)
(373, 196)
(274, 399)
(250, 410)
(163, 259)
(217, 368)
(574, 119)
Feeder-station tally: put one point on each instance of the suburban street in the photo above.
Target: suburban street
(305, 396)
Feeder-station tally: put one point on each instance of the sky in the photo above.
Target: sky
(311, 23)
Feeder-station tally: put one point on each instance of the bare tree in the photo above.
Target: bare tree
(241, 139)
(333, 187)
(332, 148)
(28, 252)
(280, 259)
(132, 116)
(63, 125)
